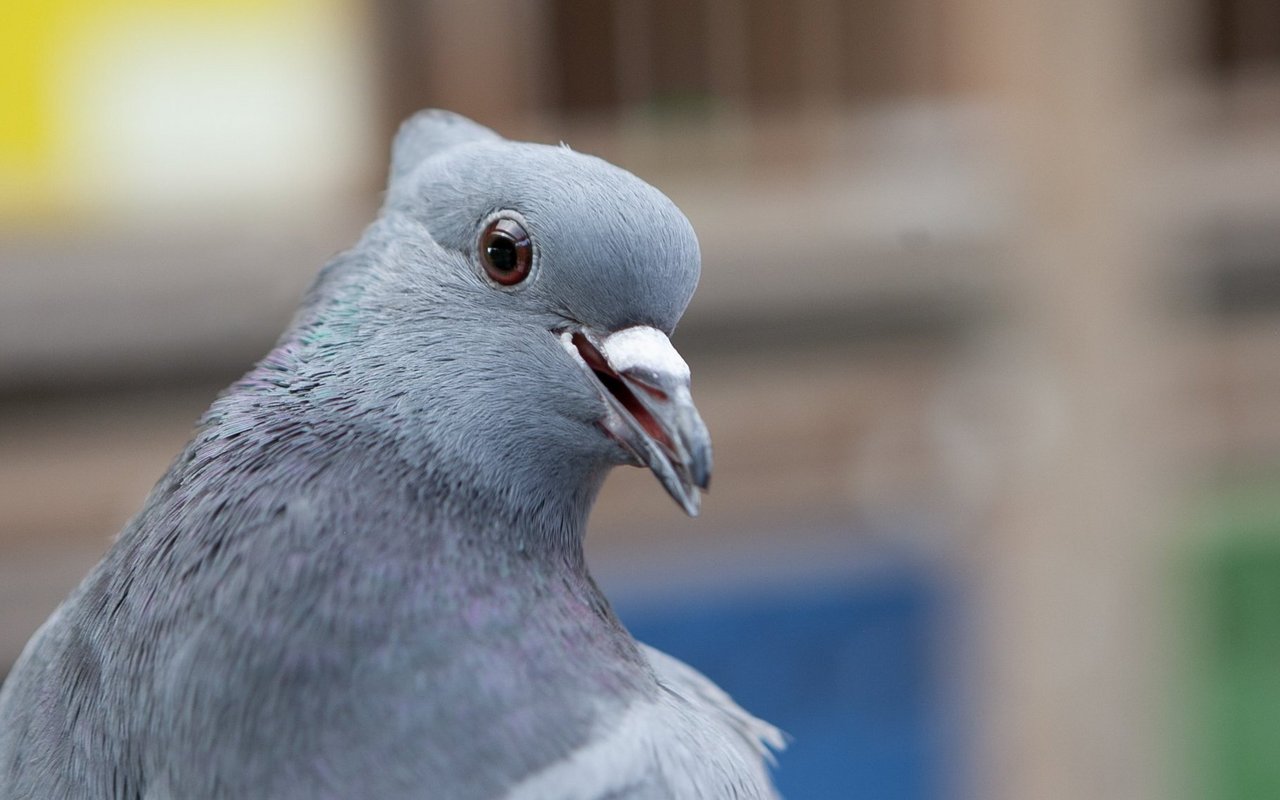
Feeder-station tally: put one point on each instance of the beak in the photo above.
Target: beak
(646, 384)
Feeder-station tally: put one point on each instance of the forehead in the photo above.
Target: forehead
(559, 182)
(611, 248)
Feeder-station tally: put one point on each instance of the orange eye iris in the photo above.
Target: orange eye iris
(506, 251)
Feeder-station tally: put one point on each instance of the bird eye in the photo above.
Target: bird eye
(506, 251)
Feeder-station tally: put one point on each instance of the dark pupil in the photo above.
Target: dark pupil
(502, 253)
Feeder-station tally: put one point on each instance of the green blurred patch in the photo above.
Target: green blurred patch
(1234, 645)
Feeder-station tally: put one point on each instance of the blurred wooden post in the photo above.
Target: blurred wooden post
(486, 59)
(1072, 671)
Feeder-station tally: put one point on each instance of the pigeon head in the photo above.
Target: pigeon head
(510, 310)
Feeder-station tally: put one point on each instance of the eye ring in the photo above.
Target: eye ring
(506, 251)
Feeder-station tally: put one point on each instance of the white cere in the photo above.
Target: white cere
(643, 348)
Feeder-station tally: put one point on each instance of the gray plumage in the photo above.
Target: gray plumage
(364, 576)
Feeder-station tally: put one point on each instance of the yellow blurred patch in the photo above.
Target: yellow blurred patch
(50, 50)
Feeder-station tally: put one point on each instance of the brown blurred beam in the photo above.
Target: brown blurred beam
(1073, 666)
(399, 33)
(485, 59)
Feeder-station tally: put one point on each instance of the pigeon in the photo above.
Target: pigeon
(364, 576)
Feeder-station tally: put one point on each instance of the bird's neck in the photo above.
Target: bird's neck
(364, 464)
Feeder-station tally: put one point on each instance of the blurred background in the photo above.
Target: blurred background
(988, 337)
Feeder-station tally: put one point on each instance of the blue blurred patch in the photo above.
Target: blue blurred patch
(849, 670)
